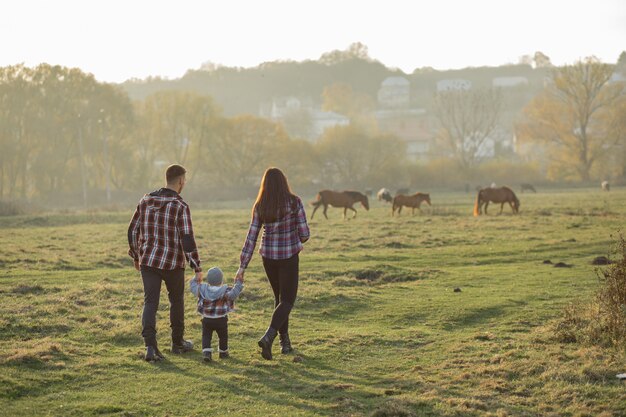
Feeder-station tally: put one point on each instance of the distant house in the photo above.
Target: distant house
(500, 140)
(322, 120)
(505, 82)
(410, 125)
(618, 77)
(282, 108)
(394, 92)
(454, 84)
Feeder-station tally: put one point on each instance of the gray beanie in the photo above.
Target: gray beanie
(214, 276)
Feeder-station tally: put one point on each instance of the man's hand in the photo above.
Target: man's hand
(199, 277)
(136, 261)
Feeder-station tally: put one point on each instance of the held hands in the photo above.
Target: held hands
(199, 277)
(137, 267)
(239, 275)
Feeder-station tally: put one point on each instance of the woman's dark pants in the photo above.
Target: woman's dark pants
(283, 277)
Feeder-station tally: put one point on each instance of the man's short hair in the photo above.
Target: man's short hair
(173, 172)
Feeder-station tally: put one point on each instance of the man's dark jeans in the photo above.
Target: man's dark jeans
(175, 284)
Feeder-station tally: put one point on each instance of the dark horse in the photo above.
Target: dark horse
(496, 195)
(412, 201)
(345, 199)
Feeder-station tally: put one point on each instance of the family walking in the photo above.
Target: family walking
(161, 240)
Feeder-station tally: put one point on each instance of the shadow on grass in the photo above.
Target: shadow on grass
(312, 385)
(481, 316)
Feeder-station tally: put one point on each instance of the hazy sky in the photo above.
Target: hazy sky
(119, 39)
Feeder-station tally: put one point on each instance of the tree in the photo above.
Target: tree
(356, 50)
(542, 60)
(243, 147)
(525, 60)
(621, 61)
(175, 126)
(358, 107)
(348, 155)
(573, 116)
(467, 119)
(298, 123)
(617, 133)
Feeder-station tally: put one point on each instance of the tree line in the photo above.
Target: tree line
(63, 133)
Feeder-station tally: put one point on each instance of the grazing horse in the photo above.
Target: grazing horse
(527, 187)
(384, 194)
(606, 186)
(345, 199)
(496, 195)
(412, 201)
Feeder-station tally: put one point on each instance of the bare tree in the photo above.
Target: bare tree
(467, 118)
(574, 116)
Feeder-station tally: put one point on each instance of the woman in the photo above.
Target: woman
(284, 230)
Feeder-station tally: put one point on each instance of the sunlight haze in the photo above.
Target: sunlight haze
(117, 40)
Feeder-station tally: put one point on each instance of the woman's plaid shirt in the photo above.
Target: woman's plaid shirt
(281, 239)
(160, 234)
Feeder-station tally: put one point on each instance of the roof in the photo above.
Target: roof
(395, 82)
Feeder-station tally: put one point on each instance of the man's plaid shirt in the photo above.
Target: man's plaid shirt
(160, 234)
(281, 239)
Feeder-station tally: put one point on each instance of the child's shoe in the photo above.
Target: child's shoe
(182, 347)
(206, 356)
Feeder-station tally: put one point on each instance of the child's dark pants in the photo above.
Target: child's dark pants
(220, 325)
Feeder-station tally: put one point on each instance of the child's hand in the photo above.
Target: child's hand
(239, 278)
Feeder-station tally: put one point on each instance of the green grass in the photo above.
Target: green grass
(377, 327)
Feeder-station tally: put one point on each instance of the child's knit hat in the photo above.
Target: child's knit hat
(214, 276)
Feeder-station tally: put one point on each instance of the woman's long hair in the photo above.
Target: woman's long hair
(275, 197)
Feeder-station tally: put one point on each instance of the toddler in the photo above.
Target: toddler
(215, 301)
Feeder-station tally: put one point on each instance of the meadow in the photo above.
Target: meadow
(378, 327)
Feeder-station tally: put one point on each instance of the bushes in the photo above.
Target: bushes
(446, 172)
(11, 208)
(612, 294)
(603, 320)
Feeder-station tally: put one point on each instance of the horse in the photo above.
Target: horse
(412, 201)
(606, 186)
(384, 194)
(496, 195)
(527, 187)
(345, 199)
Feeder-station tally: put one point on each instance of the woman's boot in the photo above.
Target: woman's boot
(285, 343)
(266, 343)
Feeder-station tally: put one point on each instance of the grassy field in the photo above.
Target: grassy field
(378, 328)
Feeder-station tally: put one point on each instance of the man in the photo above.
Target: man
(161, 240)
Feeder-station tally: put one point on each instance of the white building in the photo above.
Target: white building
(322, 120)
(454, 84)
(394, 92)
(283, 107)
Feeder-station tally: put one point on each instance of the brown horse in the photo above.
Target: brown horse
(345, 199)
(496, 195)
(412, 201)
